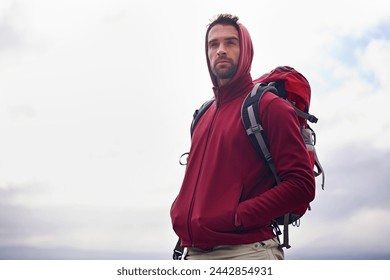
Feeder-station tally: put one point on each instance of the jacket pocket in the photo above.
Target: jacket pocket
(219, 213)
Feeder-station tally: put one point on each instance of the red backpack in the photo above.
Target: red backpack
(289, 84)
(294, 87)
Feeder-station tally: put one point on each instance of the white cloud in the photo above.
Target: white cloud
(353, 110)
(376, 58)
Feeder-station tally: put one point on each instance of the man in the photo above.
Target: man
(228, 198)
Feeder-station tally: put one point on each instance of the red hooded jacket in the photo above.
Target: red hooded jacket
(228, 195)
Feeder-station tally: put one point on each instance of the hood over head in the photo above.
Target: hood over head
(244, 61)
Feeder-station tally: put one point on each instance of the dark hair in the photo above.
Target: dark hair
(224, 19)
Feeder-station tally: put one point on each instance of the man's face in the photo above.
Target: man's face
(223, 51)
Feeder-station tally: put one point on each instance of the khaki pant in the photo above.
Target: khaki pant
(263, 250)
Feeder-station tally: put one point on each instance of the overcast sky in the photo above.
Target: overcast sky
(96, 98)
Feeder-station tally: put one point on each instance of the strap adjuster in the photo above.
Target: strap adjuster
(257, 128)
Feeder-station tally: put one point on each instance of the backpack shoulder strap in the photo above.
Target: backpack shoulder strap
(199, 113)
(196, 116)
(251, 119)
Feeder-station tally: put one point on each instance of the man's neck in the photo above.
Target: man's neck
(222, 82)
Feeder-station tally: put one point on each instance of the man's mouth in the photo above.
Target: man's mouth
(222, 61)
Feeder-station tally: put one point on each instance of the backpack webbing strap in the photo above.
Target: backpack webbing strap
(306, 116)
(250, 118)
(285, 232)
(320, 170)
(178, 251)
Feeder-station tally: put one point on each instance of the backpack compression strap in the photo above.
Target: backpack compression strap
(250, 118)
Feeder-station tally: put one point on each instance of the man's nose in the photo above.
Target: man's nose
(221, 50)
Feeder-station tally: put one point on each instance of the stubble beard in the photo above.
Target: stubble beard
(225, 73)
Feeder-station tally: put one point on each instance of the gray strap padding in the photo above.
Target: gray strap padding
(257, 129)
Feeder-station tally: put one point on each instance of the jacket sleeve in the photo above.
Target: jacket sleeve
(292, 164)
